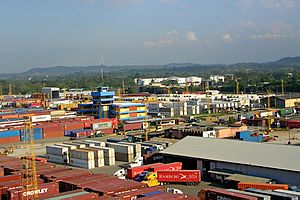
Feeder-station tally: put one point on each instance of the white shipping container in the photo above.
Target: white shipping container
(99, 156)
(75, 144)
(57, 159)
(87, 164)
(124, 157)
(87, 144)
(209, 134)
(40, 118)
(102, 125)
(57, 150)
(97, 143)
(120, 148)
(66, 145)
(136, 147)
(108, 152)
(109, 161)
(82, 154)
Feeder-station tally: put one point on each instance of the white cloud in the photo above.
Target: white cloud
(227, 37)
(191, 36)
(276, 30)
(245, 4)
(277, 3)
(167, 39)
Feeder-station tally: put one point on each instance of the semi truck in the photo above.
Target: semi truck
(133, 172)
(160, 177)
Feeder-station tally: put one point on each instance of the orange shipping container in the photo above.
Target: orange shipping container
(133, 114)
(131, 108)
(9, 139)
(8, 116)
(262, 186)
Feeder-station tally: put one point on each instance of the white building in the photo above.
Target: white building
(217, 78)
(180, 80)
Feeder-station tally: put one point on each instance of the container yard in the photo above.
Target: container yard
(121, 154)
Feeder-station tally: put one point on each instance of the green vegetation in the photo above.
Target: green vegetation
(253, 77)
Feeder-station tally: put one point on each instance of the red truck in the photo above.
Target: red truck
(190, 177)
(218, 194)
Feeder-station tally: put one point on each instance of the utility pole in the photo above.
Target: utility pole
(282, 87)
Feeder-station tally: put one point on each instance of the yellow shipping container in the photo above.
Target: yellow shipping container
(141, 108)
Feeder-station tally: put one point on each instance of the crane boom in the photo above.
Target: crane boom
(29, 178)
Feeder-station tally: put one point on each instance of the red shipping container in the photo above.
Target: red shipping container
(10, 178)
(169, 166)
(87, 124)
(184, 176)
(9, 139)
(84, 197)
(133, 172)
(214, 194)
(130, 127)
(35, 104)
(53, 131)
(107, 131)
(44, 190)
(134, 194)
(262, 186)
(73, 126)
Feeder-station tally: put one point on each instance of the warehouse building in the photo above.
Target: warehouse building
(285, 101)
(216, 156)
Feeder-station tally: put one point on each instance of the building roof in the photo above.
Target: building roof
(247, 153)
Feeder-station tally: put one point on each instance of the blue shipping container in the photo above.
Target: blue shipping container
(242, 134)
(258, 138)
(37, 134)
(9, 133)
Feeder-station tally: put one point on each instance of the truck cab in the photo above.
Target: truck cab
(151, 179)
(137, 161)
(121, 174)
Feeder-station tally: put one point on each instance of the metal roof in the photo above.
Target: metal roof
(248, 153)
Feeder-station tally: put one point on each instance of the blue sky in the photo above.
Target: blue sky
(37, 33)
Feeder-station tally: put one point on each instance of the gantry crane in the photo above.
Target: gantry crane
(10, 90)
(269, 110)
(1, 94)
(208, 100)
(29, 178)
(282, 87)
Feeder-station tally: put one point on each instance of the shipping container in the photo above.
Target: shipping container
(9, 133)
(259, 196)
(134, 194)
(273, 195)
(40, 118)
(218, 194)
(37, 134)
(262, 186)
(131, 127)
(44, 190)
(135, 171)
(53, 131)
(9, 139)
(168, 166)
(184, 176)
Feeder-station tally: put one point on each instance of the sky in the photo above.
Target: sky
(35, 33)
